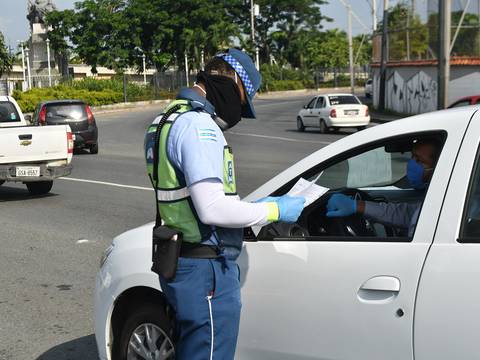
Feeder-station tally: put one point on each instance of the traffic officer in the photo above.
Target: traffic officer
(197, 196)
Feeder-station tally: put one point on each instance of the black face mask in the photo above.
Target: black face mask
(224, 95)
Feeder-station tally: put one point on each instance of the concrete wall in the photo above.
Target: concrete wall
(413, 90)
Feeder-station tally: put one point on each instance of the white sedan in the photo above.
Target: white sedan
(335, 288)
(333, 111)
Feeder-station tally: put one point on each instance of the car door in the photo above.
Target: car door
(308, 113)
(318, 111)
(447, 316)
(335, 297)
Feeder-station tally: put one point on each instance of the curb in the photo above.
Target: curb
(127, 106)
(303, 92)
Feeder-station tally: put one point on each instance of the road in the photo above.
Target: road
(51, 245)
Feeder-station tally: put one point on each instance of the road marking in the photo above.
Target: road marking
(107, 183)
(83, 241)
(280, 138)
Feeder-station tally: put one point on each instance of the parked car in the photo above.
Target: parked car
(333, 111)
(369, 88)
(335, 288)
(469, 100)
(32, 155)
(75, 113)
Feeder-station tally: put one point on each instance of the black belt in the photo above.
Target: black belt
(198, 251)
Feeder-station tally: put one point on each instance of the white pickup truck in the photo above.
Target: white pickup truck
(33, 155)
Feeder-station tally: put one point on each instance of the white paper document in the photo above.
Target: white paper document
(309, 190)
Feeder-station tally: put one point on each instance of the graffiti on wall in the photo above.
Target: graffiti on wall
(413, 96)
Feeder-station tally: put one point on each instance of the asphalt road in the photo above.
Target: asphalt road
(51, 245)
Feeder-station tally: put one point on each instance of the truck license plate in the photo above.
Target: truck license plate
(27, 171)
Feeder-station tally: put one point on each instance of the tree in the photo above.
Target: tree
(6, 60)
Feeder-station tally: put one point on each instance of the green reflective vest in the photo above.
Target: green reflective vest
(175, 205)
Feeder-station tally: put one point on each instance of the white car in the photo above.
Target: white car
(335, 288)
(369, 88)
(333, 111)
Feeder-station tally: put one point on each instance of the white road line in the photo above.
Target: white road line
(107, 183)
(280, 138)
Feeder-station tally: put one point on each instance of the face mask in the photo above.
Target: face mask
(224, 95)
(415, 173)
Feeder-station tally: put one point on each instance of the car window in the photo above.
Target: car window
(320, 102)
(461, 103)
(66, 111)
(343, 100)
(470, 230)
(311, 103)
(374, 174)
(8, 112)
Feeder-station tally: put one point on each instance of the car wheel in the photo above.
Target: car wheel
(300, 126)
(39, 187)
(323, 127)
(144, 335)
(1, 182)
(360, 128)
(94, 149)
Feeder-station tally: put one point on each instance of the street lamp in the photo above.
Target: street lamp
(144, 70)
(28, 68)
(48, 59)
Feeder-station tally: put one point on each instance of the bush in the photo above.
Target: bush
(93, 91)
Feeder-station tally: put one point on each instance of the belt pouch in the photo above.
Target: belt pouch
(165, 251)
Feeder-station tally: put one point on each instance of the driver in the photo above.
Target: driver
(401, 215)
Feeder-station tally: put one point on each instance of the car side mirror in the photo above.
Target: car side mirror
(28, 118)
(304, 106)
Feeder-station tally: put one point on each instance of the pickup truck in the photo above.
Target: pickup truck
(328, 287)
(33, 155)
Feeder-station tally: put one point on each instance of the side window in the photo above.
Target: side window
(388, 202)
(311, 103)
(320, 102)
(470, 231)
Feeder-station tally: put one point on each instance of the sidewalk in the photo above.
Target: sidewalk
(380, 117)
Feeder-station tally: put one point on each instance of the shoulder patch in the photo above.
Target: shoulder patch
(207, 134)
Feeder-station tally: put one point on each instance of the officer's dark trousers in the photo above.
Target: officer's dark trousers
(206, 297)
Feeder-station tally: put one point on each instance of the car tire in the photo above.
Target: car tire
(94, 148)
(151, 317)
(39, 187)
(323, 127)
(360, 128)
(1, 182)
(300, 126)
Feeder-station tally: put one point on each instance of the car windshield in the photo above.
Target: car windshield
(8, 113)
(343, 100)
(66, 111)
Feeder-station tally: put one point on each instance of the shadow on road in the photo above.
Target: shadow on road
(8, 193)
(83, 348)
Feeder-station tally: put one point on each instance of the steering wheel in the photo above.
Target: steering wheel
(354, 225)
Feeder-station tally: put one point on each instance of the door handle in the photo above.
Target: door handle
(379, 289)
(25, 137)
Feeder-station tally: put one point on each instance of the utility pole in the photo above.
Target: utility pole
(374, 15)
(23, 62)
(254, 11)
(202, 59)
(444, 18)
(144, 69)
(186, 68)
(350, 50)
(28, 68)
(384, 57)
(49, 67)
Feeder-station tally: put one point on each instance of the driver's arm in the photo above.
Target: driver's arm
(390, 214)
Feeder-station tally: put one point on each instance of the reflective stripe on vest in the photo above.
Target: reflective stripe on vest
(172, 195)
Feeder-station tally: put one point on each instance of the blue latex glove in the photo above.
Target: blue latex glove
(340, 205)
(415, 174)
(268, 199)
(290, 208)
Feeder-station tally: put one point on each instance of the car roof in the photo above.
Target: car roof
(63, 101)
(337, 94)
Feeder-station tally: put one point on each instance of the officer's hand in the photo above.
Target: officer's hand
(268, 199)
(290, 208)
(340, 205)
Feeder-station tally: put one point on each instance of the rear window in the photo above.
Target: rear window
(8, 112)
(66, 111)
(343, 100)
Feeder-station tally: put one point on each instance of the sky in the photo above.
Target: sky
(14, 25)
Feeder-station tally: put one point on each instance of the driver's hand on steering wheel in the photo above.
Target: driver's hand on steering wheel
(340, 205)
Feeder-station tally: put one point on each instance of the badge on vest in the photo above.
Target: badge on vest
(230, 171)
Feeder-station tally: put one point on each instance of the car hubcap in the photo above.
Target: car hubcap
(149, 342)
